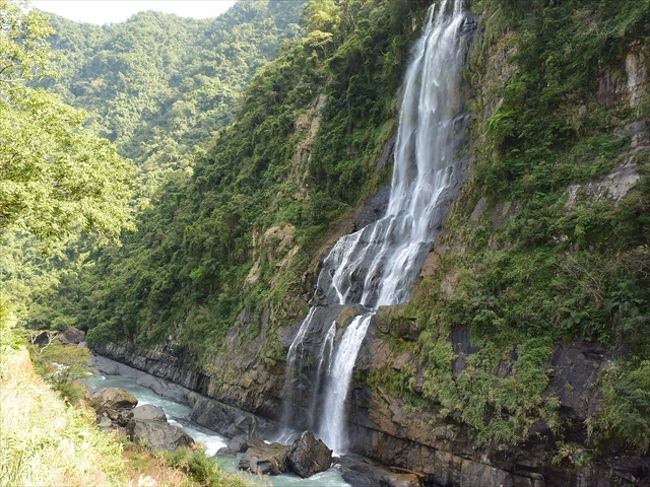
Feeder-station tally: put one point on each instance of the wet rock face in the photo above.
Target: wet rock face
(375, 207)
(309, 456)
(306, 371)
(577, 367)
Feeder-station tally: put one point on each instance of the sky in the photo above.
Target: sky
(109, 11)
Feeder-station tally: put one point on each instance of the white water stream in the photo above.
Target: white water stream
(378, 264)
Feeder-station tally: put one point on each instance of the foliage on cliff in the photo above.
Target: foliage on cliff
(550, 239)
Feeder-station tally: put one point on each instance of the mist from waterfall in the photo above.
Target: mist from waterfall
(379, 264)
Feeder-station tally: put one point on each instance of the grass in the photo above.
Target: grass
(48, 436)
(43, 440)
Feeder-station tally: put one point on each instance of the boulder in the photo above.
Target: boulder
(158, 435)
(113, 400)
(72, 335)
(264, 458)
(238, 444)
(149, 412)
(309, 455)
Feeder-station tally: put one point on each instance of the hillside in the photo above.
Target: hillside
(300, 154)
(159, 87)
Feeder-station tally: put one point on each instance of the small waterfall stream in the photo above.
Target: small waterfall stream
(332, 425)
(378, 264)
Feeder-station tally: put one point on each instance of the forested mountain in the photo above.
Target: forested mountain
(159, 85)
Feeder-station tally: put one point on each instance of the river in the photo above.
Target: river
(178, 414)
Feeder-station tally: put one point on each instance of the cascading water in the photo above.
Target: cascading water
(378, 264)
(332, 425)
(324, 368)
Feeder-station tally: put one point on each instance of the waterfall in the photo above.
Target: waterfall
(288, 391)
(324, 368)
(332, 425)
(378, 264)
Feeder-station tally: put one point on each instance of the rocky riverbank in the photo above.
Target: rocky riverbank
(146, 425)
(305, 456)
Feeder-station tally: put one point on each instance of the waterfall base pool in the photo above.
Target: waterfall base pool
(178, 414)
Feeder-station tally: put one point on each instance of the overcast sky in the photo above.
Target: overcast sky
(107, 11)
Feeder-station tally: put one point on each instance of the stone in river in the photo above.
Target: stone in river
(264, 458)
(158, 435)
(309, 455)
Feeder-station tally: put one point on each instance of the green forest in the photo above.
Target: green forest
(173, 187)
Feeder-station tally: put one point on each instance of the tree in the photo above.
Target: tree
(58, 179)
(24, 52)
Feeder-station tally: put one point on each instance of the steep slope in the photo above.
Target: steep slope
(160, 87)
(522, 356)
(198, 258)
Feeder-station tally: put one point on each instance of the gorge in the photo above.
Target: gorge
(415, 228)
